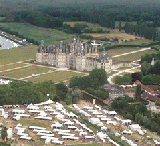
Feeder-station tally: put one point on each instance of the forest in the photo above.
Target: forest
(52, 15)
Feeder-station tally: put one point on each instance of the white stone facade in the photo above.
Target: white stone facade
(75, 55)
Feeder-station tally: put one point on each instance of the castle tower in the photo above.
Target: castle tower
(61, 47)
(104, 51)
(42, 43)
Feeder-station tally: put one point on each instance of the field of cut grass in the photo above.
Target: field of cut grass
(133, 57)
(121, 50)
(123, 23)
(5, 67)
(24, 72)
(90, 25)
(112, 34)
(119, 35)
(50, 36)
(137, 42)
(57, 76)
(123, 68)
(17, 54)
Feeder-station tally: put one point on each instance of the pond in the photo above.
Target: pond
(7, 44)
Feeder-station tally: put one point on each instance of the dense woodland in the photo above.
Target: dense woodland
(146, 17)
(127, 107)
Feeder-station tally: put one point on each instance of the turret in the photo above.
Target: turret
(42, 43)
(104, 51)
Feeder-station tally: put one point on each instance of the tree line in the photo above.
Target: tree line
(128, 108)
(92, 83)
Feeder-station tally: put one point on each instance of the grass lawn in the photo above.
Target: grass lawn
(123, 23)
(111, 73)
(90, 25)
(57, 76)
(5, 67)
(136, 70)
(34, 122)
(24, 72)
(121, 50)
(137, 42)
(50, 36)
(17, 54)
(123, 68)
(113, 34)
(133, 57)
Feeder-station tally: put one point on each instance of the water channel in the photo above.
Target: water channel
(7, 44)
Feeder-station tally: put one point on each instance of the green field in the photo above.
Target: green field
(137, 42)
(90, 25)
(5, 67)
(123, 23)
(133, 57)
(50, 36)
(121, 50)
(17, 54)
(57, 76)
(24, 72)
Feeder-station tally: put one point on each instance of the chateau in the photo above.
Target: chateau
(78, 56)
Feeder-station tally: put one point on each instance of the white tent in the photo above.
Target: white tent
(112, 113)
(45, 134)
(47, 141)
(69, 123)
(61, 130)
(134, 127)
(2, 112)
(88, 107)
(101, 135)
(43, 118)
(57, 142)
(23, 115)
(16, 111)
(26, 137)
(59, 116)
(17, 118)
(5, 115)
(70, 137)
(104, 128)
(127, 132)
(32, 107)
(126, 122)
(42, 114)
(9, 133)
(94, 120)
(56, 125)
(112, 122)
(36, 127)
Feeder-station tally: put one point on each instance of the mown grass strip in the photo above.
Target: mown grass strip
(118, 140)
(83, 118)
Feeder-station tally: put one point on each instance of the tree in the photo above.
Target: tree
(138, 92)
(61, 90)
(145, 68)
(120, 26)
(99, 77)
(68, 99)
(4, 133)
(76, 95)
(129, 116)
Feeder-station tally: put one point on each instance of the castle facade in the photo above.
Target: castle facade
(76, 55)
